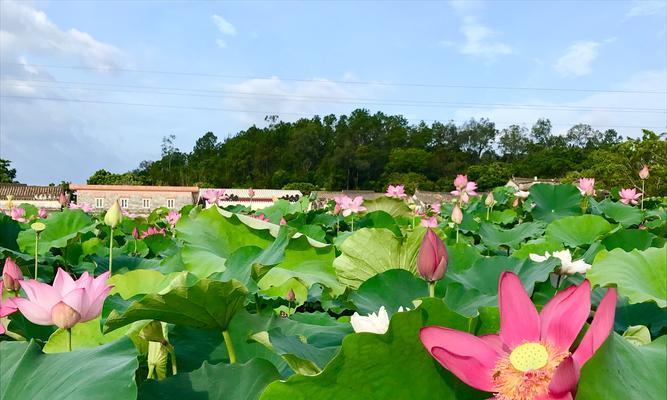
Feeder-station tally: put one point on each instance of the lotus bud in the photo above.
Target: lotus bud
(114, 215)
(643, 174)
(42, 213)
(38, 227)
(490, 201)
(63, 199)
(9, 201)
(11, 275)
(290, 295)
(461, 181)
(457, 215)
(432, 258)
(153, 332)
(282, 221)
(251, 193)
(64, 316)
(464, 197)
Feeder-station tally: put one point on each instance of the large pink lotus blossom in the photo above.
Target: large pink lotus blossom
(67, 302)
(397, 191)
(7, 307)
(350, 206)
(468, 190)
(63, 199)
(151, 231)
(430, 222)
(18, 214)
(172, 217)
(11, 275)
(629, 196)
(587, 186)
(86, 207)
(460, 181)
(339, 200)
(432, 258)
(436, 208)
(530, 358)
(213, 196)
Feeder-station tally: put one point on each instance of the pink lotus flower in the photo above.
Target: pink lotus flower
(350, 206)
(643, 174)
(42, 213)
(173, 217)
(282, 221)
(460, 181)
(135, 233)
(67, 302)
(261, 217)
(587, 186)
(18, 214)
(251, 193)
(468, 190)
(530, 358)
(11, 275)
(213, 196)
(457, 215)
(7, 307)
(432, 258)
(397, 191)
(63, 199)
(436, 208)
(340, 200)
(152, 231)
(127, 213)
(430, 222)
(83, 206)
(629, 196)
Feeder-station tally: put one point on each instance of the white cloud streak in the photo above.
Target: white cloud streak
(224, 26)
(578, 59)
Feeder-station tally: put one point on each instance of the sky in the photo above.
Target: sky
(88, 85)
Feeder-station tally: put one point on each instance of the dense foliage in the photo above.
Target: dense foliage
(233, 304)
(370, 151)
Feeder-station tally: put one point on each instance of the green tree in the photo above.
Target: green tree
(7, 174)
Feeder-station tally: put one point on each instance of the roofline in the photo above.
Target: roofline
(132, 188)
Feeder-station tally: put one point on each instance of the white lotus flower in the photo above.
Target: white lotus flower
(374, 322)
(522, 194)
(567, 266)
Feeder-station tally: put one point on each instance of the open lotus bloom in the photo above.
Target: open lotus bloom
(629, 196)
(430, 222)
(460, 181)
(531, 357)
(67, 302)
(397, 191)
(173, 217)
(587, 186)
(567, 266)
(374, 322)
(350, 206)
(6, 307)
(522, 194)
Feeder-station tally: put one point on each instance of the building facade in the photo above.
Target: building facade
(46, 197)
(139, 200)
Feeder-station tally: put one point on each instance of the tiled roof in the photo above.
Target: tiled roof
(26, 192)
(366, 194)
(133, 188)
(267, 194)
(432, 197)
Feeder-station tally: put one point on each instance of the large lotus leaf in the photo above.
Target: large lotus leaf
(206, 304)
(538, 246)
(369, 251)
(392, 206)
(629, 239)
(221, 382)
(104, 372)
(9, 231)
(140, 281)
(60, 228)
(554, 201)
(640, 275)
(494, 236)
(503, 217)
(390, 366)
(302, 357)
(378, 219)
(392, 289)
(579, 230)
(308, 273)
(621, 370)
(622, 213)
(461, 256)
(87, 334)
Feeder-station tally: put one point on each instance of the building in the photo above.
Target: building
(526, 183)
(261, 198)
(46, 197)
(139, 200)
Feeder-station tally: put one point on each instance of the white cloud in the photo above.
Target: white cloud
(645, 8)
(221, 43)
(465, 6)
(578, 59)
(224, 26)
(480, 40)
(28, 31)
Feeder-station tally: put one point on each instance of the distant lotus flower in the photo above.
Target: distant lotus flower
(7, 307)
(373, 323)
(397, 191)
(457, 215)
(127, 214)
(261, 217)
(172, 217)
(290, 295)
(18, 214)
(67, 302)
(460, 181)
(643, 174)
(587, 186)
(530, 358)
(11, 275)
(436, 207)
(213, 196)
(152, 231)
(135, 233)
(432, 258)
(339, 200)
(468, 190)
(489, 201)
(282, 221)
(86, 207)
(42, 213)
(430, 222)
(251, 193)
(464, 197)
(567, 266)
(353, 206)
(63, 199)
(629, 196)
(522, 194)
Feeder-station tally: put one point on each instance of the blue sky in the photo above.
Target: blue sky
(233, 61)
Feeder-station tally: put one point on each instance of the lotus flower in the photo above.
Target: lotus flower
(135, 233)
(42, 213)
(432, 258)
(353, 206)
(86, 207)
(152, 231)
(629, 196)
(251, 193)
(18, 214)
(261, 217)
(643, 174)
(457, 215)
(340, 200)
(397, 191)
(67, 302)
(587, 186)
(114, 215)
(436, 207)
(63, 199)
(290, 295)
(213, 196)
(521, 194)
(460, 181)
(567, 266)
(283, 221)
(430, 222)
(7, 307)
(373, 323)
(173, 217)
(11, 276)
(489, 201)
(468, 190)
(530, 358)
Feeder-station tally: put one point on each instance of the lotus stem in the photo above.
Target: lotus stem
(457, 233)
(642, 200)
(558, 282)
(230, 347)
(36, 253)
(69, 339)
(110, 250)
(431, 289)
(172, 354)
(352, 223)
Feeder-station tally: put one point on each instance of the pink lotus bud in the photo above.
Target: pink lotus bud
(290, 295)
(587, 186)
(42, 213)
(64, 316)
(337, 209)
(457, 215)
(461, 181)
(432, 258)
(464, 197)
(643, 174)
(282, 221)
(490, 201)
(63, 199)
(11, 275)
(251, 193)
(135, 233)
